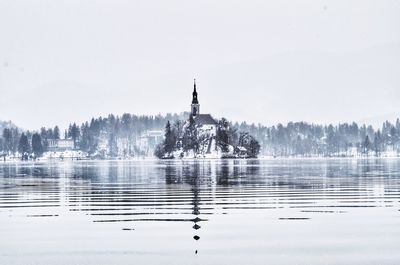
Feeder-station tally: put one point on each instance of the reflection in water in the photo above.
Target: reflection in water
(196, 200)
(191, 175)
(217, 195)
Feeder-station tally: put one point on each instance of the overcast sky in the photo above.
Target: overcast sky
(259, 61)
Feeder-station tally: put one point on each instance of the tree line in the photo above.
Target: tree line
(13, 140)
(117, 136)
(345, 139)
(109, 136)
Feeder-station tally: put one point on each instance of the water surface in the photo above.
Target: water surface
(293, 211)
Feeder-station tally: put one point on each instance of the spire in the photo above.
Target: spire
(194, 94)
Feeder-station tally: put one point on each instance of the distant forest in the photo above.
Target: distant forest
(118, 136)
(304, 139)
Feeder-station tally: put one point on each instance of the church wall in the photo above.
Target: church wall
(208, 129)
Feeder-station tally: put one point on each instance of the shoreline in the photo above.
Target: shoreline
(50, 161)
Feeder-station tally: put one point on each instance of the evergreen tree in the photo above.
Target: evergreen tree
(330, 140)
(299, 146)
(112, 145)
(189, 139)
(23, 145)
(37, 147)
(8, 142)
(56, 133)
(254, 147)
(223, 135)
(44, 136)
(15, 139)
(170, 139)
(394, 138)
(378, 143)
(250, 144)
(178, 132)
(74, 133)
(84, 140)
(159, 151)
(366, 145)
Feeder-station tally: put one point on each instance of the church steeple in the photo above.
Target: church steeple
(195, 108)
(194, 94)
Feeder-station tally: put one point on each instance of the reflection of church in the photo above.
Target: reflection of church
(189, 174)
(205, 123)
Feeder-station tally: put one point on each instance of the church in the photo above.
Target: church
(205, 123)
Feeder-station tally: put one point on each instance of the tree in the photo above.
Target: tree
(254, 147)
(366, 145)
(23, 145)
(56, 132)
(299, 150)
(112, 145)
(250, 143)
(94, 134)
(159, 151)
(223, 135)
(178, 131)
(189, 139)
(45, 135)
(15, 139)
(378, 143)
(84, 141)
(73, 132)
(8, 142)
(330, 140)
(170, 139)
(37, 147)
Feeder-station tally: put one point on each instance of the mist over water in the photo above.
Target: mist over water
(278, 211)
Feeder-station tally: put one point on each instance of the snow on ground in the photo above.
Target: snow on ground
(68, 154)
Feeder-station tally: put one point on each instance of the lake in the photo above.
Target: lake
(273, 211)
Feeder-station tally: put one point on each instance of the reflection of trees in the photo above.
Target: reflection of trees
(29, 182)
(171, 175)
(237, 172)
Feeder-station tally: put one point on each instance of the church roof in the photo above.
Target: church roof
(202, 119)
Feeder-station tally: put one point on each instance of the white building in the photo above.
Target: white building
(60, 144)
(149, 140)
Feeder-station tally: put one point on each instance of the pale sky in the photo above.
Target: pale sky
(259, 61)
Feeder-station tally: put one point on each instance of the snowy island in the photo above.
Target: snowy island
(201, 136)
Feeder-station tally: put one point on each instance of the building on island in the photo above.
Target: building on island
(60, 144)
(205, 123)
(149, 140)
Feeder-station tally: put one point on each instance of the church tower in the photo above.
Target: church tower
(195, 103)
